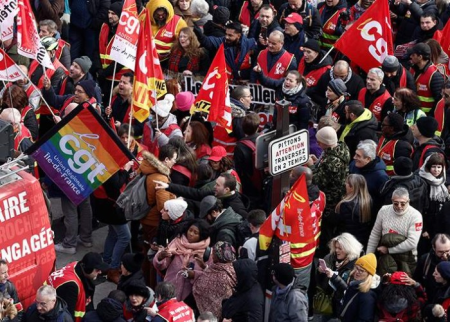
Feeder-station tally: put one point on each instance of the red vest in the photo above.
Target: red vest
(386, 152)
(23, 134)
(165, 37)
(68, 274)
(423, 88)
(29, 90)
(184, 171)
(59, 49)
(152, 144)
(279, 69)
(104, 48)
(244, 15)
(439, 115)
(403, 80)
(328, 38)
(377, 105)
(24, 112)
(222, 138)
(302, 254)
(312, 78)
(172, 311)
(49, 72)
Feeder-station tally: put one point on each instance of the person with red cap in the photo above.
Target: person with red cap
(401, 298)
(294, 36)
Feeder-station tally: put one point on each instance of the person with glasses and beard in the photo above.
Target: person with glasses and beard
(396, 234)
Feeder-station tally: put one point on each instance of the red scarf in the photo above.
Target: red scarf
(174, 61)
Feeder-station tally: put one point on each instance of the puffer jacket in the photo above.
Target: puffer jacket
(390, 263)
(225, 227)
(108, 310)
(154, 170)
(288, 304)
(58, 314)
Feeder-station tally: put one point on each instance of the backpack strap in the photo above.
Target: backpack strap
(426, 266)
(348, 304)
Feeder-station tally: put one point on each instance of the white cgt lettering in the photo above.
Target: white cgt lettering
(131, 23)
(379, 51)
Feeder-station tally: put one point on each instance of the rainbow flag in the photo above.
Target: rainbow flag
(80, 153)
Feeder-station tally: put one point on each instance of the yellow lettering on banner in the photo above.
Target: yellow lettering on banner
(160, 86)
(298, 197)
(140, 97)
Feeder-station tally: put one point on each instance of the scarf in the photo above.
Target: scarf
(182, 247)
(292, 91)
(438, 189)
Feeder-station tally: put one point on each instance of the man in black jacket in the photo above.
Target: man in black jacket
(47, 307)
(395, 75)
(225, 190)
(311, 18)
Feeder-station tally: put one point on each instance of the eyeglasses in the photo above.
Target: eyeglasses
(442, 252)
(400, 203)
(360, 270)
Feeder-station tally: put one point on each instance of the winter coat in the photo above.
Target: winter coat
(362, 307)
(124, 281)
(98, 10)
(50, 9)
(169, 229)
(247, 302)
(424, 273)
(363, 127)
(288, 304)
(403, 147)
(392, 83)
(390, 263)
(375, 174)
(154, 170)
(225, 227)
(437, 146)
(349, 221)
(311, 18)
(133, 314)
(58, 314)
(108, 310)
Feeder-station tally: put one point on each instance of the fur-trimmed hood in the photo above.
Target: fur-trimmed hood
(151, 164)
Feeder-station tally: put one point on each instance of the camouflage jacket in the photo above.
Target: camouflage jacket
(331, 171)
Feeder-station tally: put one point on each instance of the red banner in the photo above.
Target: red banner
(149, 83)
(291, 220)
(214, 96)
(445, 39)
(369, 40)
(28, 41)
(9, 71)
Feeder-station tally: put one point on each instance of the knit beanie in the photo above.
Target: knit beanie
(313, 45)
(444, 269)
(138, 287)
(133, 262)
(88, 86)
(327, 135)
(221, 15)
(337, 85)
(116, 7)
(368, 263)
(403, 166)
(390, 64)
(175, 208)
(427, 126)
(284, 273)
(84, 62)
(184, 101)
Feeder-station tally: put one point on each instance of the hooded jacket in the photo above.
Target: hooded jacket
(154, 170)
(363, 127)
(108, 310)
(225, 227)
(58, 314)
(247, 302)
(288, 304)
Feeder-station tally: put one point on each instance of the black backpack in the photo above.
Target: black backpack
(132, 202)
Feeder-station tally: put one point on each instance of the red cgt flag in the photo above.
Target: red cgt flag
(214, 96)
(445, 39)
(149, 83)
(9, 71)
(369, 40)
(291, 220)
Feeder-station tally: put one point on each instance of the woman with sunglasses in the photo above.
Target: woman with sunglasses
(396, 234)
(433, 173)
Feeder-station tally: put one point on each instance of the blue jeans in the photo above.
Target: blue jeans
(116, 243)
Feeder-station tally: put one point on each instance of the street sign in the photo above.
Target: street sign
(288, 152)
(262, 146)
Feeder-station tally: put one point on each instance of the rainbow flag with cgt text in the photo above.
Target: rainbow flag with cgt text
(80, 153)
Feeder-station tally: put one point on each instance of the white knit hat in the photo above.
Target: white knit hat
(163, 107)
(327, 135)
(175, 208)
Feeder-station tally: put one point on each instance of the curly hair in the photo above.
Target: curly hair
(409, 99)
(393, 292)
(14, 96)
(194, 49)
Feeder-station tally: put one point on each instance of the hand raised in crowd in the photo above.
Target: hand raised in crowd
(47, 83)
(160, 185)
(408, 280)
(108, 111)
(187, 73)
(128, 165)
(257, 68)
(262, 40)
(56, 119)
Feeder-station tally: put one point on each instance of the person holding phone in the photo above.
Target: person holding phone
(335, 268)
(182, 258)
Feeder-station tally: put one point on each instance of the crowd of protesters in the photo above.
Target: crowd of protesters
(376, 176)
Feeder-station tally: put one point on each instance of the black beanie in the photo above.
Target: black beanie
(88, 86)
(313, 45)
(133, 262)
(116, 7)
(427, 126)
(403, 166)
(221, 15)
(444, 269)
(284, 273)
(137, 287)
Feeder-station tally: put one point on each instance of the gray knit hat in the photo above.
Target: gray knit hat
(84, 62)
(390, 64)
(338, 86)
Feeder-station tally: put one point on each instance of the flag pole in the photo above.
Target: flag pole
(156, 107)
(112, 83)
(189, 122)
(328, 52)
(129, 128)
(6, 69)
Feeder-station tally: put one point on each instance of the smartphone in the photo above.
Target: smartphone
(264, 32)
(322, 264)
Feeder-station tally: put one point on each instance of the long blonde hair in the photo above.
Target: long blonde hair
(365, 285)
(360, 194)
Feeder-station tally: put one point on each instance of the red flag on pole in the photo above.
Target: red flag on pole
(124, 46)
(445, 40)
(291, 220)
(9, 71)
(369, 40)
(149, 83)
(28, 41)
(214, 96)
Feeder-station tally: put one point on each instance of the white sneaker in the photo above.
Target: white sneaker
(66, 250)
(85, 244)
